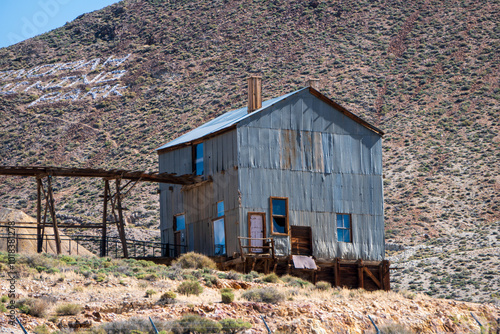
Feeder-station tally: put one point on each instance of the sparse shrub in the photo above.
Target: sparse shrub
(134, 325)
(322, 285)
(150, 292)
(42, 329)
(190, 288)
(68, 309)
(67, 259)
(294, 281)
(234, 325)
(193, 260)
(395, 329)
(233, 275)
(168, 298)
(266, 295)
(408, 294)
(35, 307)
(100, 277)
(210, 280)
(227, 295)
(4, 299)
(193, 323)
(271, 278)
(151, 277)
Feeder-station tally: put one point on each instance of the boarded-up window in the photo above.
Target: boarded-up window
(279, 215)
(344, 227)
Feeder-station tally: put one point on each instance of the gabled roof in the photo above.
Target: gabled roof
(229, 120)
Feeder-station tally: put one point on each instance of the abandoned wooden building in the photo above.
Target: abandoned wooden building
(294, 175)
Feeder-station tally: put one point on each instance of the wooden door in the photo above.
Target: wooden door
(256, 229)
(301, 240)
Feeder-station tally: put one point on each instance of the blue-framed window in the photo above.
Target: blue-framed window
(279, 215)
(198, 159)
(344, 227)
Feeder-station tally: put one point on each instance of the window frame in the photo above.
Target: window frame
(271, 216)
(343, 228)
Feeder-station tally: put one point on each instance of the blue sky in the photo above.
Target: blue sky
(23, 19)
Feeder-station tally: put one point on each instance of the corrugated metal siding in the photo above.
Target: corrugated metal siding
(199, 203)
(325, 163)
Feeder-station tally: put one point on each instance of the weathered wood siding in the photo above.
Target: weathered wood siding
(325, 163)
(198, 202)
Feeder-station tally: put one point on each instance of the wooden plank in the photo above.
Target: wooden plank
(53, 214)
(337, 272)
(374, 279)
(361, 283)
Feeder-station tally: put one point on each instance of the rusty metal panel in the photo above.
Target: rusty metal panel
(317, 152)
(307, 150)
(303, 262)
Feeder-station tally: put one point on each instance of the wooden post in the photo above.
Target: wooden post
(381, 275)
(386, 273)
(53, 214)
(336, 270)
(39, 235)
(104, 248)
(361, 283)
(121, 228)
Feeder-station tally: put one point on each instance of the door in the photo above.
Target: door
(256, 229)
(301, 240)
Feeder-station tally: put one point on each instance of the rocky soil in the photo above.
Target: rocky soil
(307, 310)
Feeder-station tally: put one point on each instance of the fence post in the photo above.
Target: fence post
(22, 327)
(153, 324)
(268, 330)
(373, 323)
(480, 325)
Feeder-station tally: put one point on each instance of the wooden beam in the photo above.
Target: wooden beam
(104, 248)
(120, 225)
(336, 272)
(53, 214)
(361, 283)
(369, 273)
(39, 235)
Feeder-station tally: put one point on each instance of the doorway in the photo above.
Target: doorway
(256, 229)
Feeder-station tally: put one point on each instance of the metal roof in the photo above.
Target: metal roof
(233, 117)
(222, 122)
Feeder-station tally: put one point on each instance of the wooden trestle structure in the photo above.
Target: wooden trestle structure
(113, 200)
(368, 275)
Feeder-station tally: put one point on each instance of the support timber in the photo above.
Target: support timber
(45, 198)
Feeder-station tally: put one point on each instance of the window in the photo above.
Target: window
(220, 209)
(179, 223)
(279, 215)
(219, 231)
(344, 230)
(198, 159)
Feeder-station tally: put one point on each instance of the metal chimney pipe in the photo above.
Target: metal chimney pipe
(254, 93)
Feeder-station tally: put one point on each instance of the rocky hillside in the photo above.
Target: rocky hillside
(103, 295)
(109, 87)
